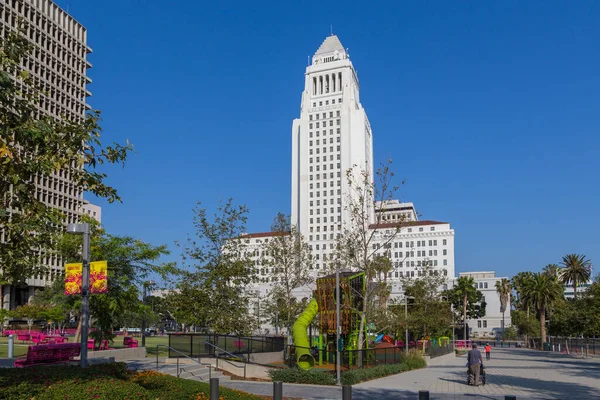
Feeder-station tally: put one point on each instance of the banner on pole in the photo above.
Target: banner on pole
(98, 277)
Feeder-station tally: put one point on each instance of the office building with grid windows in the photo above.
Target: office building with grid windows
(58, 66)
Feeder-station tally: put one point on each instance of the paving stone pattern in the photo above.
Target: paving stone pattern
(527, 374)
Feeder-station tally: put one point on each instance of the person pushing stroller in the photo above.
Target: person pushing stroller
(475, 366)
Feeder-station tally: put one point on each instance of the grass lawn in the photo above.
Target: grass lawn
(151, 342)
(20, 349)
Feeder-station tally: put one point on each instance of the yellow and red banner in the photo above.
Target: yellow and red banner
(98, 277)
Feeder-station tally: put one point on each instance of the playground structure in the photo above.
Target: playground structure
(352, 292)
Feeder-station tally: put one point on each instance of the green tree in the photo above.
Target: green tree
(429, 311)
(55, 315)
(214, 290)
(519, 282)
(503, 288)
(29, 312)
(289, 258)
(526, 325)
(552, 270)
(130, 262)
(542, 292)
(577, 270)
(465, 297)
(32, 147)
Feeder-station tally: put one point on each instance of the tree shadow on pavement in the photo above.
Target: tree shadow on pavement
(544, 389)
(393, 394)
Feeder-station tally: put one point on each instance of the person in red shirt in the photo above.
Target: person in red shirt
(488, 351)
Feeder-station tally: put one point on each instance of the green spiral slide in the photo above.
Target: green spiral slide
(304, 359)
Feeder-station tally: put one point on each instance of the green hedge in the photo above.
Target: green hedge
(351, 377)
(105, 382)
(297, 375)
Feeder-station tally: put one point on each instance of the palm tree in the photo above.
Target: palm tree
(542, 291)
(518, 282)
(577, 269)
(552, 270)
(465, 287)
(503, 288)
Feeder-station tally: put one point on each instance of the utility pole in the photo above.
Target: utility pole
(84, 229)
(338, 325)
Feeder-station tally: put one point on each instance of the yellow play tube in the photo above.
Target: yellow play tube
(304, 359)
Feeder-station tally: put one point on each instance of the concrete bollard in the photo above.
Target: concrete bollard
(277, 391)
(11, 346)
(346, 392)
(214, 388)
(423, 394)
(510, 397)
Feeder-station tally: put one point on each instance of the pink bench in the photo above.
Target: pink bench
(48, 354)
(129, 342)
(24, 337)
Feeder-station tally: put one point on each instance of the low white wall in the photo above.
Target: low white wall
(440, 359)
(252, 371)
(134, 353)
(267, 358)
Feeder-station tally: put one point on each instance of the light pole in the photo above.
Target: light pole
(406, 320)
(145, 285)
(337, 325)
(84, 229)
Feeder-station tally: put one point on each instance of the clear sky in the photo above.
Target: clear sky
(490, 111)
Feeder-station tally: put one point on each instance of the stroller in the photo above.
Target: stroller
(470, 378)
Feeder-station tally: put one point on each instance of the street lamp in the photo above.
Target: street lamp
(406, 320)
(145, 285)
(338, 330)
(84, 229)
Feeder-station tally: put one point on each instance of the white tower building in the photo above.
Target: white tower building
(332, 135)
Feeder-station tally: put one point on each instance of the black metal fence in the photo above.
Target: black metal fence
(202, 345)
(351, 358)
(583, 346)
(437, 351)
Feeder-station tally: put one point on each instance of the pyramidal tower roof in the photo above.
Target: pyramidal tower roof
(329, 45)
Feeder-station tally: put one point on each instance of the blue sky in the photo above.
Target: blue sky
(490, 111)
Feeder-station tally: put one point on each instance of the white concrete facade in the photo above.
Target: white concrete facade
(331, 136)
(92, 210)
(58, 66)
(491, 324)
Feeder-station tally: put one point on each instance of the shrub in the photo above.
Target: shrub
(105, 382)
(104, 389)
(297, 375)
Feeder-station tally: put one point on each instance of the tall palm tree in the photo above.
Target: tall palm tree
(503, 288)
(577, 269)
(542, 291)
(552, 270)
(465, 287)
(518, 282)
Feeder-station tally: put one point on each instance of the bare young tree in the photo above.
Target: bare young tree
(289, 257)
(365, 239)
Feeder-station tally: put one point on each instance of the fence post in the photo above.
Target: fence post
(11, 346)
(346, 392)
(423, 394)
(277, 391)
(214, 388)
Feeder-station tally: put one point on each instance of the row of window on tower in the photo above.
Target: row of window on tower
(329, 83)
(409, 244)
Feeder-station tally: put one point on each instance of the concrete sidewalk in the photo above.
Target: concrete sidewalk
(527, 374)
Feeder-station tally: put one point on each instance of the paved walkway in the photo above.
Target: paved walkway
(527, 374)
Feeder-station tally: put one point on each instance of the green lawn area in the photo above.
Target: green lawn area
(20, 349)
(151, 342)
